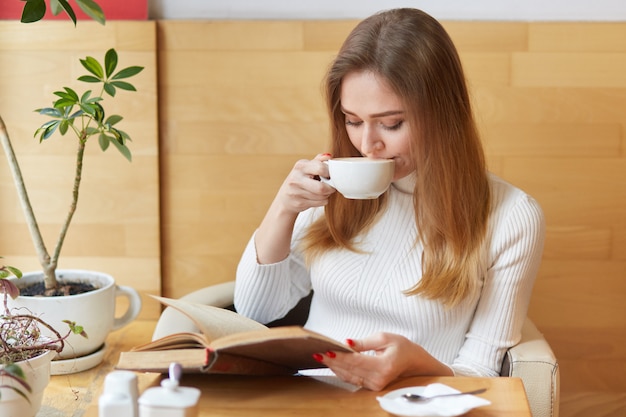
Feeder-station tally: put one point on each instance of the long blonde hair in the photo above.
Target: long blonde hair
(413, 53)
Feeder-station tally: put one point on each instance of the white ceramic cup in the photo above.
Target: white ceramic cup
(360, 178)
(94, 310)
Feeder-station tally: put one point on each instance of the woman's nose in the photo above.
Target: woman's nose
(371, 143)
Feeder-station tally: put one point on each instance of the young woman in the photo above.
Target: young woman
(435, 276)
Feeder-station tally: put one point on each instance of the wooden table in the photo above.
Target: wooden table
(223, 396)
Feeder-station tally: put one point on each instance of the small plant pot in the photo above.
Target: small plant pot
(37, 372)
(94, 310)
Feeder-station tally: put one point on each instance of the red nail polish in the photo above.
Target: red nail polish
(318, 357)
(331, 354)
(350, 342)
(326, 154)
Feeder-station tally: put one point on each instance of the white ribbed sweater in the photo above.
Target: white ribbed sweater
(357, 294)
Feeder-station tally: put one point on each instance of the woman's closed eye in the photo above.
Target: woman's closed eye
(386, 126)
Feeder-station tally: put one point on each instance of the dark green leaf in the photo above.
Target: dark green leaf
(66, 6)
(88, 79)
(127, 72)
(91, 131)
(93, 66)
(110, 89)
(92, 10)
(99, 112)
(34, 10)
(110, 61)
(124, 85)
(114, 119)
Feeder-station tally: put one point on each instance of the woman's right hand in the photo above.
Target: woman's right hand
(300, 191)
(302, 188)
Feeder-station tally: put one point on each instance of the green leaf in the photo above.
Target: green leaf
(88, 79)
(127, 72)
(110, 61)
(123, 149)
(113, 120)
(124, 85)
(47, 129)
(63, 103)
(92, 10)
(34, 10)
(99, 115)
(110, 89)
(66, 6)
(85, 97)
(93, 66)
(15, 271)
(88, 108)
(55, 7)
(64, 126)
(68, 93)
(49, 111)
(103, 140)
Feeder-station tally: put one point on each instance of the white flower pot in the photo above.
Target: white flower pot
(37, 372)
(94, 310)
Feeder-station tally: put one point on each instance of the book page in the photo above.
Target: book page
(213, 322)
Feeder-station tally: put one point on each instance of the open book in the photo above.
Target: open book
(229, 343)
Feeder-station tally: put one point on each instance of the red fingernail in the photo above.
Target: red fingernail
(318, 357)
(350, 342)
(326, 154)
(331, 354)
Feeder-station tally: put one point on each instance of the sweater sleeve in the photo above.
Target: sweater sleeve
(516, 250)
(267, 292)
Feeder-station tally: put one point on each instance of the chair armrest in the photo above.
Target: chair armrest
(173, 321)
(533, 361)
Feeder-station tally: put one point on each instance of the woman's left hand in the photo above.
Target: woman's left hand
(394, 356)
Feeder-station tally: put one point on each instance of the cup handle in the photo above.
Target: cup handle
(327, 180)
(134, 306)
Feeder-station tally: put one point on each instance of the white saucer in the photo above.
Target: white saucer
(73, 365)
(394, 404)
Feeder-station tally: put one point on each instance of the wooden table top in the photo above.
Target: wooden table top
(222, 396)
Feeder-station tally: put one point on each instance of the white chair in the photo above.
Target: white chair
(531, 359)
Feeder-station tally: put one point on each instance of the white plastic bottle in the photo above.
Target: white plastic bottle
(119, 397)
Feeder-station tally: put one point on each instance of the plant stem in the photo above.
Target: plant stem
(80, 153)
(31, 221)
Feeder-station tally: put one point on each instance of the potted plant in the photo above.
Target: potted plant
(85, 294)
(25, 353)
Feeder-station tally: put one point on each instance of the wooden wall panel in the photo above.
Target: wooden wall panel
(116, 226)
(241, 102)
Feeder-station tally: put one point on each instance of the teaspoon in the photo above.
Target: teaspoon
(416, 397)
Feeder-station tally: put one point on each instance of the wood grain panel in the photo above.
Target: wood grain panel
(569, 69)
(576, 37)
(116, 226)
